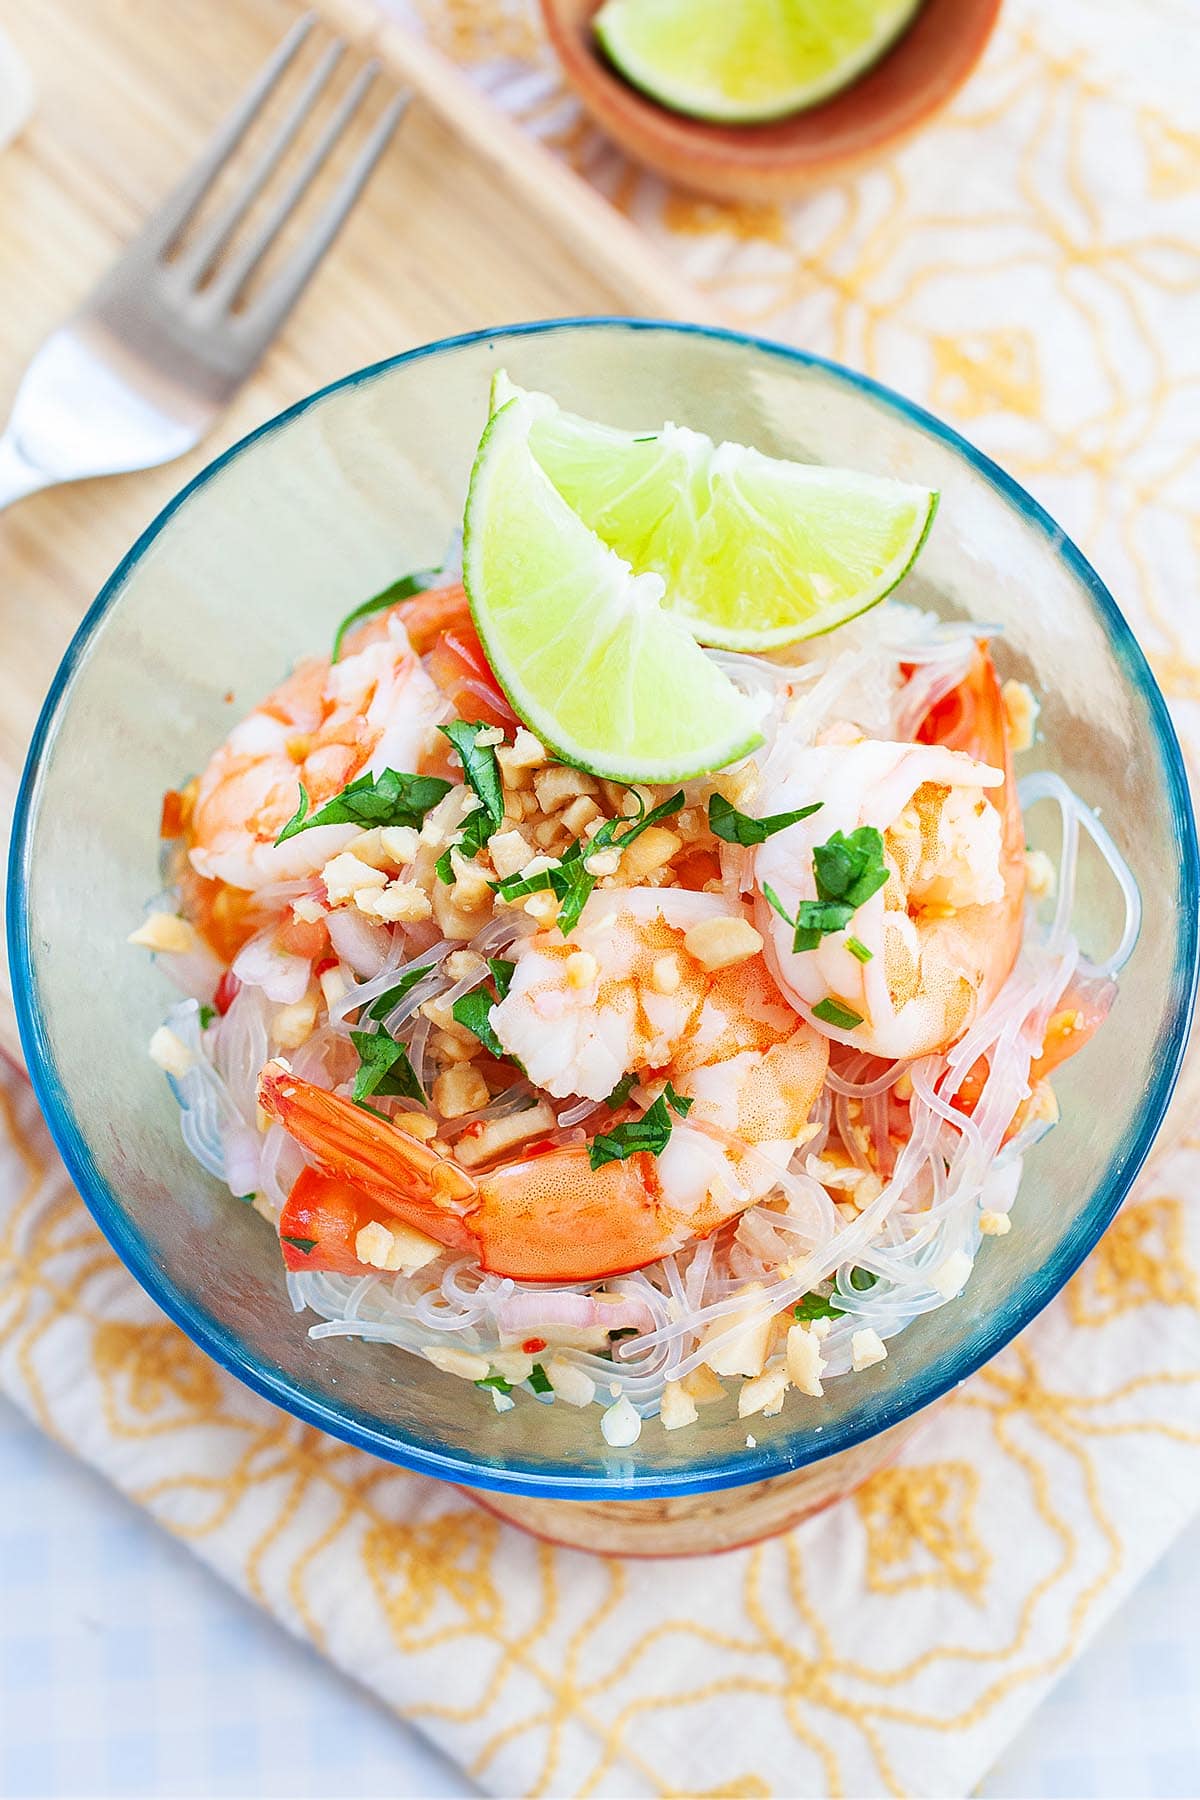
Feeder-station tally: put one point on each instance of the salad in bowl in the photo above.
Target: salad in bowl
(614, 968)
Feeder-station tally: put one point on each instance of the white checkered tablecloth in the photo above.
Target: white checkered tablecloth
(126, 1669)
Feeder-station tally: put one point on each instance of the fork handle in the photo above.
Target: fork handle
(18, 477)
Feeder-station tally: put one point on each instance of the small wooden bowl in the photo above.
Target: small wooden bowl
(919, 74)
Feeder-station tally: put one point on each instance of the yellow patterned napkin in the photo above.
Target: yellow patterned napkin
(1028, 268)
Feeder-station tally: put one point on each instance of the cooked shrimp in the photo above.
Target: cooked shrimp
(326, 725)
(941, 935)
(548, 1215)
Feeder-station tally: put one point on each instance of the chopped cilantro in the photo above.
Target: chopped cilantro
(443, 868)
(844, 1018)
(248, 1199)
(650, 1135)
(383, 1006)
(622, 1091)
(539, 1381)
(495, 1381)
(502, 974)
(304, 1245)
(678, 1103)
(857, 948)
(404, 589)
(384, 1068)
(473, 1010)
(652, 439)
(734, 827)
(479, 766)
(816, 1306)
(207, 1015)
(389, 799)
(610, 836)
(815, 919)
(570, 880)
(851, 868)
(862, 1279)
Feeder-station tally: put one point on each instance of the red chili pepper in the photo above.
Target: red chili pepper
(228, 989)
(531, 1346)
(323, 967)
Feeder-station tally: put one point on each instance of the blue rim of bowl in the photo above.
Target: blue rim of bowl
(878, 1410)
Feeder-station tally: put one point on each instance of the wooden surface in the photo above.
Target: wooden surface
(465, 224)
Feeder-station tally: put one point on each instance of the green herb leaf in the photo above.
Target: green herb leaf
(862, 1279)
(816, 1306)
(443, 868)
(502, 974)
(391, 798)
(539, 1381)
(652, 439)
(473, 1010)
(404, 589)
(831, 1013)
(776, 904)
(650, 1135)
(815, 919)
(207, 1015)
(479, 766)
(495, 1381)
(734, 827)
(304, 1245)
(622, 1091)
(610, 836)
(383, 1006)
(248, 1199)
(569, 881)
(477, 828)
(384, 1068)
(679, 1104)
(850, 868)
(857, 948)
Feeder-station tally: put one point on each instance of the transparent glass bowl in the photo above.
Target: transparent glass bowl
(250, 567)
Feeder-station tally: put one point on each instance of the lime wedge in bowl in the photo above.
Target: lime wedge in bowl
(581, 645)
(745, 61)
(755, 552)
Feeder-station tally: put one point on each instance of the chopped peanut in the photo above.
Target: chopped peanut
(396, 1248)
(458, 1090)
(307, 911)
(463, 1363)
(764, 1394)
(866, 1348)
(489, 737)
(454, 1049)
(482, 1142)
(952, 1277)
(368, 847)
(665, 976)
(602, 862)
(570, 1383)
(1041, 877)
(293, 1025)
(745, 1351)
(165, 932)
(548, 834)
(557, 785)
(399, 903)
(346, 875)
(805, 1363)
(399, 844)
(581, 969)
(463, 962)
(653, 850)
(416, 1124)
(579, 815)
(543, 907)
(509, 851)
(170, 1052)
(995, 1224)
(702, 1386)
(1020, 714)
(333, 986)
(526, 752)
(677, 1408)
(719, 943)
(515, 1365)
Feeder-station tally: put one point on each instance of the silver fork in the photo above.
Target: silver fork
(159, 347)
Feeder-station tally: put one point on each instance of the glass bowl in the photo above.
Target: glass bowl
(249, 567)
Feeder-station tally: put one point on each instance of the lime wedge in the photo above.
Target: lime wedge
(755, 552)
(581, 645)
(741, 61)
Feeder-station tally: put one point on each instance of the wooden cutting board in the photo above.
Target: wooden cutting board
(466, 223)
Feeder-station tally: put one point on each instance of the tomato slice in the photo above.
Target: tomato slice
(427, 615)
(458, 665)
(325, 1213)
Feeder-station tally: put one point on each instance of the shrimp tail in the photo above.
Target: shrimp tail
(389, 1168)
